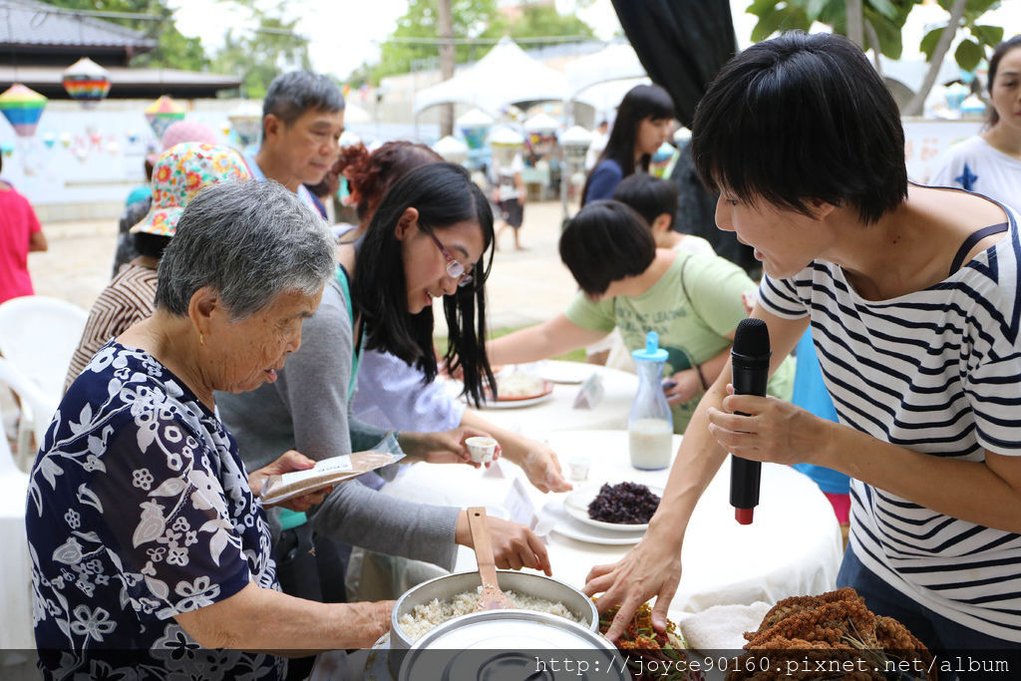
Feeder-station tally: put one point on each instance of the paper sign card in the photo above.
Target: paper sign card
(519, 504)
(590, 394)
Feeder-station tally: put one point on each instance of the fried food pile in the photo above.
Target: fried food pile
(643, 645)
(808, 637)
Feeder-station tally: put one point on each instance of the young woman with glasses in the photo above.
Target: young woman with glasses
(392, 393)
(431, 237)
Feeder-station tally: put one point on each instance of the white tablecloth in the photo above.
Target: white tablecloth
(793, 547)
(15, 574)
(558, 412)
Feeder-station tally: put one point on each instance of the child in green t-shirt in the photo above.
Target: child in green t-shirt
(693, 301)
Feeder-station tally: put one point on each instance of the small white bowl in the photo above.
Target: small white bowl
(481, 448)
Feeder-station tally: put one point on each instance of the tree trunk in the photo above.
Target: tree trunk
(873, 39)
(854, 22)
(915, 106)
(446, 30)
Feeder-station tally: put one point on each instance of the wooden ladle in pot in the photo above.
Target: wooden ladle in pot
(492, 597)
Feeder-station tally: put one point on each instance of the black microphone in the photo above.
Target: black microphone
(749, 360)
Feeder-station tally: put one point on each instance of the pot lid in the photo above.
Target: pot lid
(512, 644)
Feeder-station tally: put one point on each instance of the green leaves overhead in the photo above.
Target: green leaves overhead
(887, 18)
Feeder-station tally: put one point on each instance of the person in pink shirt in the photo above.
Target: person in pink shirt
(20, 233)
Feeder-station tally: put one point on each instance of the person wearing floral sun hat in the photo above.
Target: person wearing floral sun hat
(178, 175)
(137, 205)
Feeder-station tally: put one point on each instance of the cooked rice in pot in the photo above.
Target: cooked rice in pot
(429, 615)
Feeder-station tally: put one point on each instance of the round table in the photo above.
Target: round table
(794, 546)
(558, 411)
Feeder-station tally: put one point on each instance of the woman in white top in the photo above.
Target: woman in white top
(990, 162)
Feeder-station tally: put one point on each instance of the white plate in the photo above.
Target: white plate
(569, 373)
(567, 526)
(517, 402)
(576, 505)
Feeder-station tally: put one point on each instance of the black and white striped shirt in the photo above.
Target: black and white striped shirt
(937, 371)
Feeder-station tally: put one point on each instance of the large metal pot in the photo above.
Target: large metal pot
(512, 644)
(447, 586)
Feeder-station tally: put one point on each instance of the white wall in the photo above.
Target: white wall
(81, 163)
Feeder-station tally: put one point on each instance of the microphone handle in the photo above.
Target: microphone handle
(748, 379)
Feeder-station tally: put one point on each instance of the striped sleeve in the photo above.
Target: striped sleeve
(780, 297)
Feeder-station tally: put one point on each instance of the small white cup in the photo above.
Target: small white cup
(578, 467)
(481, 449)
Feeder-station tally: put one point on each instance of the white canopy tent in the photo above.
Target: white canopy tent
(614, 62)
(601, 79)
(506, 75)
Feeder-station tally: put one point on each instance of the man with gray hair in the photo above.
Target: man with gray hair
(302, 120)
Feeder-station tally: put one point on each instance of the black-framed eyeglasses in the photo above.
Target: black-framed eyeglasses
(454, 267)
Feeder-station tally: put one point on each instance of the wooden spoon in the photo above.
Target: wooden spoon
(492, 597)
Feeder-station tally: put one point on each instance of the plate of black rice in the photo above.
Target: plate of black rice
(622, 507)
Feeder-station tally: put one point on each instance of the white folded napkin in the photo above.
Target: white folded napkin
(721, 627)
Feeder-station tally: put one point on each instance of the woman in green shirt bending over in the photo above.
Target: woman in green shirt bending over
(692, 301)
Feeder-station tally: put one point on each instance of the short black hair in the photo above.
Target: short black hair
(801, 118)
(444, 194)
(605, 242)
(151, 245)
(292, 94)
(994, 66)
(649, 196)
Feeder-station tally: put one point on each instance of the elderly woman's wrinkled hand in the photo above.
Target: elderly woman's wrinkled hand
(289, 461)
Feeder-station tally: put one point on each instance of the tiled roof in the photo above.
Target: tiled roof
(27, 22)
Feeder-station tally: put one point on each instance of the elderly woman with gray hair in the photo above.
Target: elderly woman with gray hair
(148, 547)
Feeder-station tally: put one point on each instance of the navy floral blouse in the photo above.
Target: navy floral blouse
(139, 510)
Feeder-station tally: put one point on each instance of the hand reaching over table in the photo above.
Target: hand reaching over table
(651, 568)
(443, 447)
(514, 546)
(542, 468)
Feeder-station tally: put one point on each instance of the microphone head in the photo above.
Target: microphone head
(751, 338)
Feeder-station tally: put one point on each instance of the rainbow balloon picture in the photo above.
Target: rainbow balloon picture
(22, 107)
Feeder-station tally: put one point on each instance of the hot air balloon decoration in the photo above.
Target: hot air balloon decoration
(22, 107)
(86, 81)
(162, 113)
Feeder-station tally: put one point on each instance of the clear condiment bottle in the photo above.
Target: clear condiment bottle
(650, 425)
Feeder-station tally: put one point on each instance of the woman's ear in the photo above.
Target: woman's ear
(204, 304)
(662, 223)
(821, 209)
(408, 219)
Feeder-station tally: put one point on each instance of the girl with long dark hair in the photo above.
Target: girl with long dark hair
(641, 127)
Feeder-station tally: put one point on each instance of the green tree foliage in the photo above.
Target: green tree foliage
(539, 21)
(173, 50)
(472, 19)
(265, 47)
(886, 17)
(980, 39)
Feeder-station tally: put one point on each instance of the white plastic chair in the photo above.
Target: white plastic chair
(7, 465)
(38, 336)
